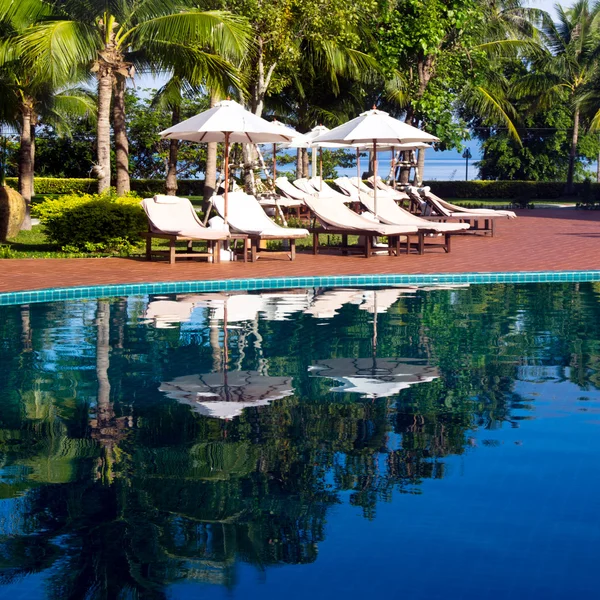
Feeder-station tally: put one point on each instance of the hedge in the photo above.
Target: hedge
(543, 190)
(143, 187)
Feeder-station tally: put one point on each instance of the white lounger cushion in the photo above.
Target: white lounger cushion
(389, 212)
(334, 215)
(291, 191)
(178, 218)
(246, 215)
(327, 191)
(463, 213)
(509, 214)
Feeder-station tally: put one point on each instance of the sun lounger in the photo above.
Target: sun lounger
(174, 219)
(337, 218)
(326, 190)
(288, 189)
(245, 215)
(428, 232)
(509, 214)
(398, 195)
(432, 210)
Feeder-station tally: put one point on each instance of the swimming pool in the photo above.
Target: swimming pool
(287, 442)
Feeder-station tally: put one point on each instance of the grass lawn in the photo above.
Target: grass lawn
(35, 244)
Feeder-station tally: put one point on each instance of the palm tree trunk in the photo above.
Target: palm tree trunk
(573, 153)
(104, 97)
(210, 175)
(33, 124)
(305, 162)
(420, 167)
(121, 141)
(25, 163)
(299, 164)
(171, 182)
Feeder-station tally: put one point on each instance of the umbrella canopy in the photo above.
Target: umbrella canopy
(226, 122)
(373, 378)
(213, 396)
(375, 127)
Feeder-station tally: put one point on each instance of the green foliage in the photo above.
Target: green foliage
(58, 185)
(501, 189)
(93, 223)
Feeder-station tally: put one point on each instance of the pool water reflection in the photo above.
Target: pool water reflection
(418, 443)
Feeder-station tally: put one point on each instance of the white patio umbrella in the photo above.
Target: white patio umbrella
(301, 141)
(226, 122)
(375, 127)
(309, 142)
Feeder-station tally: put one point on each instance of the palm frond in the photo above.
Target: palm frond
(59, 47)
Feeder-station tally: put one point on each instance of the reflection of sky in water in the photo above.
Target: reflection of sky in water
(480, 481)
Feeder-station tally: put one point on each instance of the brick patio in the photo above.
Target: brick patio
(539, 240)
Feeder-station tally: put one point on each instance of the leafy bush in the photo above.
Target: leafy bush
(93, 223)
(534, 190)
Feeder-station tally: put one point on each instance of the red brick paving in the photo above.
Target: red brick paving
(539, 240)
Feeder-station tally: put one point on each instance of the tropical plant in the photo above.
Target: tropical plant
(30, 97)
(112, 39)
(568, 66)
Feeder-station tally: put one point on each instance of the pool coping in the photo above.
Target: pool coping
(228, 285)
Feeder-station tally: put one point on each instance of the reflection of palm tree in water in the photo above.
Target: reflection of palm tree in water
(107, 428)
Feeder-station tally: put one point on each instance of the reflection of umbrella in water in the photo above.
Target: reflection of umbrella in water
(226, 394)
(374, 378)
(226, 397)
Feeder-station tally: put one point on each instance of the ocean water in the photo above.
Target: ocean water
(440, 169)
(422, 443)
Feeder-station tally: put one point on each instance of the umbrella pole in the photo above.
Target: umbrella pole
(321, 168)
(274, 164)
(375, 168)
(393, 167)
(358, 165)
(374, 330)
(226, 195)
(314, 164)
(225, 350)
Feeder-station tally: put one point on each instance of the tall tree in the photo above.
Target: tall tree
(30, 96)
(566, 68)
(109, 38)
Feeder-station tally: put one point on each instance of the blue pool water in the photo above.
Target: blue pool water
(413, 442)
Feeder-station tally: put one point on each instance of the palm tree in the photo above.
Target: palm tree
(568, 66)
(109, 38)
(29, 97)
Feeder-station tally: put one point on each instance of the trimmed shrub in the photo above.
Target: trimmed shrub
(58, 185)
(93, 223)
(510, 190)
(143, 187)
(150, 187)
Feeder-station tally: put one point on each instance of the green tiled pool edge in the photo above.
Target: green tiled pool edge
(226, 285)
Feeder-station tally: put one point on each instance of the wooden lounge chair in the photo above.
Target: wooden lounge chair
(246, 216)
(174, 219)
(337, 218)
(432, 210)
(428, 232)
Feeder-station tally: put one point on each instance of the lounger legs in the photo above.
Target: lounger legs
(172, 252)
